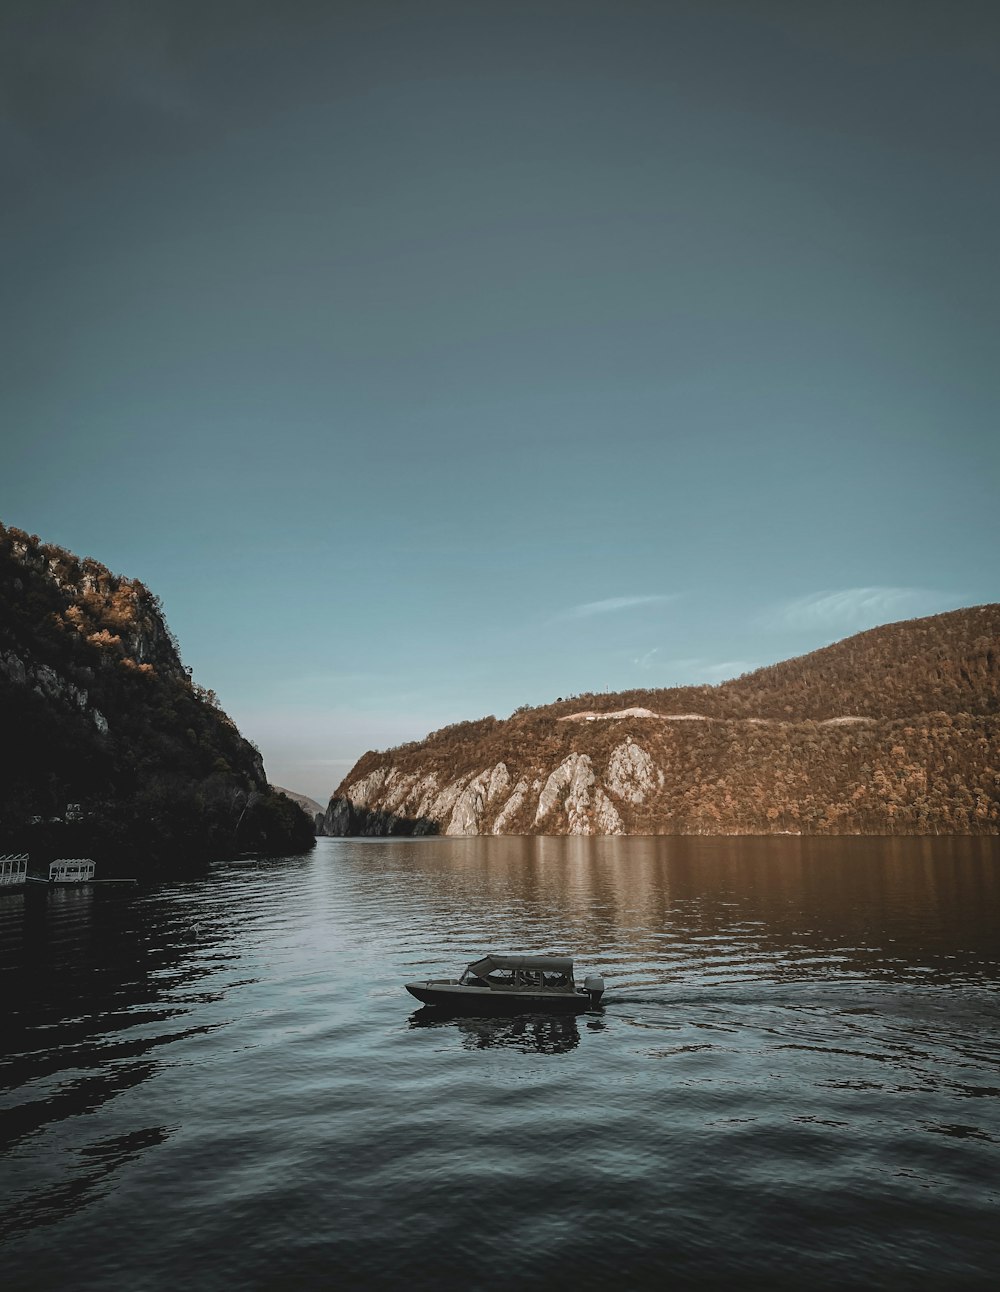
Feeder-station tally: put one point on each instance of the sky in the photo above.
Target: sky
(431, 359)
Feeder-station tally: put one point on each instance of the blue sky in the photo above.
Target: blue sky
(429, 360)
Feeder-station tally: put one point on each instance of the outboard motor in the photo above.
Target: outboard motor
(593, 985)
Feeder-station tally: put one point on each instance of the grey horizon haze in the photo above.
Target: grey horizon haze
(431, 359)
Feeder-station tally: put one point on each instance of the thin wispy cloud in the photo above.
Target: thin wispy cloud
(614, 605)
(856, 608)
(646, 661)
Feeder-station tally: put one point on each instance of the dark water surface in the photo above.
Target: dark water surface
(795, 1081)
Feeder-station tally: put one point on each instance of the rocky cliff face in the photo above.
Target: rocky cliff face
(569, 799)
(881, 754)
(110, 746)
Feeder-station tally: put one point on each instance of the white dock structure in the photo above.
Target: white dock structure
(71, 870)
(13, 869)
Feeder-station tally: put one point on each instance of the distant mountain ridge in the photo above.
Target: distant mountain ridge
(891, 731)
(111, 749)
(311, 808)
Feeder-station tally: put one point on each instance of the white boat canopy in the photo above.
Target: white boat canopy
(548, 964)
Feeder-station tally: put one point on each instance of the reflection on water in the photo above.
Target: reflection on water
(650, 911)
(540, 1033)
(95, 983)
(94, 1169)
(792, 1079)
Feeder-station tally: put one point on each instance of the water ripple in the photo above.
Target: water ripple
(792, 1080)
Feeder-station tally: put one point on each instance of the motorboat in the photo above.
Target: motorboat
(518, 983)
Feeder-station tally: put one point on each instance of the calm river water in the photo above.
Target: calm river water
(794, 1082)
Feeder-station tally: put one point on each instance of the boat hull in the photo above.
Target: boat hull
(485, 1000)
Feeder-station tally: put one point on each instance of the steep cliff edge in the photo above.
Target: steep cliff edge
(109, 748)
(893, 731)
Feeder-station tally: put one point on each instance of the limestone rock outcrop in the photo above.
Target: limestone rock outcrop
(569, 799)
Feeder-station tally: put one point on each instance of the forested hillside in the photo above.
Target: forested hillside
(893, 731)
(945, 663)
(109, 748)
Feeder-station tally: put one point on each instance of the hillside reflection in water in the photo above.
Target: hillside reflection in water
(659, 907)
(793, 1078)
